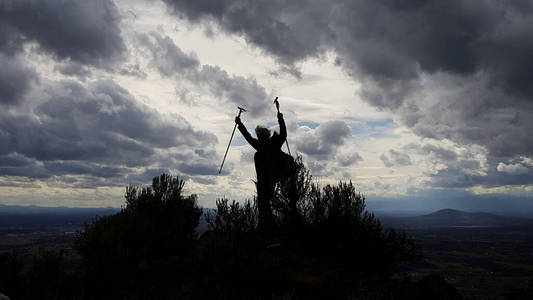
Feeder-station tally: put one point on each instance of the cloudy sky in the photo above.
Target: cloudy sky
(422, 104)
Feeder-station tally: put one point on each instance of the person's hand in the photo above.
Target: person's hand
(238, 120)
(280, 115)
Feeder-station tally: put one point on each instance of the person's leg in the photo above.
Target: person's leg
(264, 192)
(261, 203)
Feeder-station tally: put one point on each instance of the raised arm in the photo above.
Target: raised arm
(282, 128)
(282, 136)
(253, 142)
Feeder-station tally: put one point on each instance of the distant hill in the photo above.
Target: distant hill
(449, 218)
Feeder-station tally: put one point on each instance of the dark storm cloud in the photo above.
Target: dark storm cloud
(29, 171)
(97, 129)
(439, 153)
(15, 80)
(469, 113)
(166, 57)
(323, 142)
(170, 60)
(60, 171)
(83, 31)
(400, 49)
(73, 69)
(15, 160)
(242, 91)
(381, 39)
(394, 158)
(291, 30)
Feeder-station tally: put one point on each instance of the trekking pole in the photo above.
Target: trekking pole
(231, 138)
(286, 140)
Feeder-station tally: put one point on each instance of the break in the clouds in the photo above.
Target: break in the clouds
(402, 51)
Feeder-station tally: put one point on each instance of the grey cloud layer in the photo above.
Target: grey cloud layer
(96, 133)
(15, 80)
(469, 173)
(75, 31)
(349, 159)
(323, 142)
(453, 167)
(399, 49)
(393, 158)
(97, 129)
(170, 60)
(283, 28)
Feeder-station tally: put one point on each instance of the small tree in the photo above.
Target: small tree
(157, 222)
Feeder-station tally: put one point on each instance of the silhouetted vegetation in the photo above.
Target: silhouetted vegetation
(42, 276)
(323, 245)
(126, 251)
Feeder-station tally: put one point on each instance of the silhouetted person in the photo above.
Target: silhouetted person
(271, 165)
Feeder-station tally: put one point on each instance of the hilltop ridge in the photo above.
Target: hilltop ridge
(448, 217)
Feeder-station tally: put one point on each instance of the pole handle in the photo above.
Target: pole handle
(277, 103)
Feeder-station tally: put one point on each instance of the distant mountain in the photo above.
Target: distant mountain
(448, 218)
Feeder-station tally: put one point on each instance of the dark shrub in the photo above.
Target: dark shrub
(324, 238)
(331, 222)
(46, 275)
(157, 224)
(11, 274)
(323, 245)
(41, 274)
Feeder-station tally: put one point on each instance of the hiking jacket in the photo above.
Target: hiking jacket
(273, 144)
